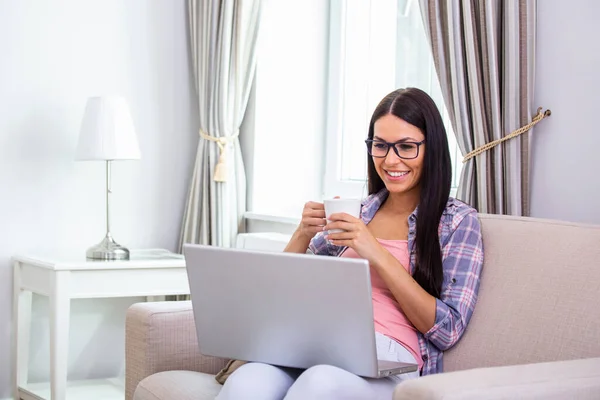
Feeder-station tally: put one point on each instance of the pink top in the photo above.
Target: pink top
(389, 318)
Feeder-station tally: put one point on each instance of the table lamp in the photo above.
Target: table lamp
(107, 134)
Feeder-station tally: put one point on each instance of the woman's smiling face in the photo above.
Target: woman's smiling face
(400, 175)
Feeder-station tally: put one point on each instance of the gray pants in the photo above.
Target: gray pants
(267, 382)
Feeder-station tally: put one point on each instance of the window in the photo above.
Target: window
(322, 67)
(284, 164)
(375, 47)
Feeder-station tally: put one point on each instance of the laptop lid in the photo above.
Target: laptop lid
(286, 309)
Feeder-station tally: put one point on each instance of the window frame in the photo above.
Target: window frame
(333, 184)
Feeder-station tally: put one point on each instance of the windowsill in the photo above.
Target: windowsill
(280, 219)
(291, 221)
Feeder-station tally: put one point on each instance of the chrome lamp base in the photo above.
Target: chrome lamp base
(107, 250)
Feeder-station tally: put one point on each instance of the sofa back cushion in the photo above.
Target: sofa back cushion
(539, 295)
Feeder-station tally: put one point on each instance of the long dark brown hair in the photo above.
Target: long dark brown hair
(417, 108)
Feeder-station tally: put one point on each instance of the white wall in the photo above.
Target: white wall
(565, 179)
(53, 56)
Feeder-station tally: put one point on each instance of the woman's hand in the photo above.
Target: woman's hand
(313, 219)
(356, 235)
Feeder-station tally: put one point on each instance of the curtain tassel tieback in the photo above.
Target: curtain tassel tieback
(221, 171)
(537, 118)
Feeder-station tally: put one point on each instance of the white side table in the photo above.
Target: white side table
(153, 272)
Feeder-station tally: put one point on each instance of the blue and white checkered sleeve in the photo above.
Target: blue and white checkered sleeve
(462, 261)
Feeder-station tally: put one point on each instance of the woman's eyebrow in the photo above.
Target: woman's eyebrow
(404, 139)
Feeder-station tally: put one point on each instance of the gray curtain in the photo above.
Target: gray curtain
(484, 53)
(223, 38)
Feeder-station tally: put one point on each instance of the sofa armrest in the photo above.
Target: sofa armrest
(576, 379)
(161, 336)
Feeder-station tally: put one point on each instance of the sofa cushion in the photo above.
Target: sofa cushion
(538, 296)
(180, 385)
(574, 379)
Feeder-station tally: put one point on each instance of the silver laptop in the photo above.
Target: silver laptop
(290, 310)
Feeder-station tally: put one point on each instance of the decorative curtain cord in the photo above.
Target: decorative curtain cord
(221, 172)
(537, 118)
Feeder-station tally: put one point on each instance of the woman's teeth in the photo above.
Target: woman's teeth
(397, 174)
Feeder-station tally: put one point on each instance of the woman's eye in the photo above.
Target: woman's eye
(406, 146)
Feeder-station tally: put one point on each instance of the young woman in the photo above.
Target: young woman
(424, 249)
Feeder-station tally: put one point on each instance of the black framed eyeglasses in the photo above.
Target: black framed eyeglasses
(404, 150)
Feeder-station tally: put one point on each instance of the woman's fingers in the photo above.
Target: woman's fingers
(313, 205)
(345, 226)
(314, 229)
(343, 217)
(341, 236)
(314, 214)
(318, 222)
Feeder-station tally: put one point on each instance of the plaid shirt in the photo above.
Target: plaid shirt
(462, 260)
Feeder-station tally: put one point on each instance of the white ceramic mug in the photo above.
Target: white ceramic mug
(348, 206)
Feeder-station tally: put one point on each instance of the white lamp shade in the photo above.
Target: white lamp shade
(107, 131)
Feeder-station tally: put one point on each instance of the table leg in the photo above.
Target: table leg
(60, 310)
(21, 331)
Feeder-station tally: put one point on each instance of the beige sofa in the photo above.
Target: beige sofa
(538, 307)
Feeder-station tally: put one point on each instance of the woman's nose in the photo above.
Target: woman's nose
(392, 157)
